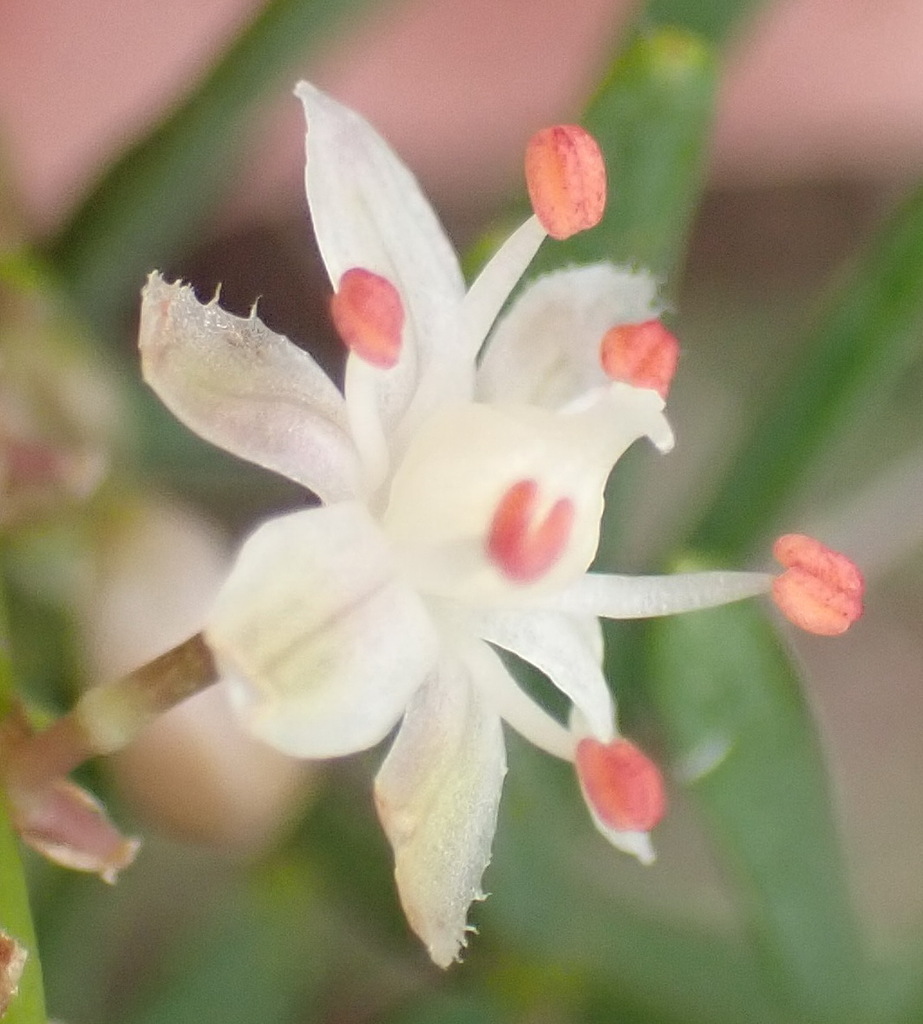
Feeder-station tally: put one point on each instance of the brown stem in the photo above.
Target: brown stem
(108, 716)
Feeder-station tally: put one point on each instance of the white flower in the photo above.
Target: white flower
(461, 505)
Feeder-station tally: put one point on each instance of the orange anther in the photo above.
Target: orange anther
(566, 178)
(820, 590)
(522, 549)
(369, 316)
(644, 355)
(622, 785)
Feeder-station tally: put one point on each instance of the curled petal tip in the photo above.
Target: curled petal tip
(821, 590)
(369, 316)
(622, 785)
(566, 178)
(521, 546)
(643, 355)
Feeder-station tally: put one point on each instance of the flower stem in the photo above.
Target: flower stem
(108, 716)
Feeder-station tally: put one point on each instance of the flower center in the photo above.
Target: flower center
(522, 546)
(369, 316)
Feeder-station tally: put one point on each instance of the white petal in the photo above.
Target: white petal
(492, 287)
(321, 642)
(247, 390)
(557, 646)
(462, 462)
(545, 351)
(369, 212)
(437, 796)
(638, 844)
(645, 597)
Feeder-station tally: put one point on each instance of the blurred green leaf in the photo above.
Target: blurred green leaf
(254, 959)
(651, 116)
(28, 1007)
(151, 201)
(555, 906)
(714, 20)
(741, 737)
(864, 336)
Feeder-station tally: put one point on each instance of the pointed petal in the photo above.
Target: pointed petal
(437, 795)
(321, 642)
(558, 646)
(546, 350)
(369, 212)
(247, 390)
(644, 597)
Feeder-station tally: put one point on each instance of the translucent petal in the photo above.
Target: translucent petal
(545, 350)
(557, 646)
(247, 390)
(462, 463)
(369, 212)
(437, 796)
(643, 597)
(322, 644)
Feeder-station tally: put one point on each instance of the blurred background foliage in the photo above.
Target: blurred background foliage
(785, 888)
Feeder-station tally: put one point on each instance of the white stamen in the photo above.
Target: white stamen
(644, 597)
(516, 708)
(364, 415)
(492, 287)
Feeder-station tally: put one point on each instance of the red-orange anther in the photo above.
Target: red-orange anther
(520, 547)
(566, 178)
(644, 355)
(820, 590)
(369, 316)
(622, 785)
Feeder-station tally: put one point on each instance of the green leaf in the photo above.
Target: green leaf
(741, 736)
(714, 20)
(28, 1007)
(562, 900)
(259, 956)
(863, 338)
(651, 116)
(153, 199)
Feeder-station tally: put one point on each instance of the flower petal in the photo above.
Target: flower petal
(321, 642)
(437, 795)
(558, 646)
(463, 463)
(369, 212)
(645, 597)
(247, 390)
(545, 351)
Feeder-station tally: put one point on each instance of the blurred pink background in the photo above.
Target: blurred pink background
(813, 88)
